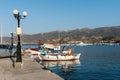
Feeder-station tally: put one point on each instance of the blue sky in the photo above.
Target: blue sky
(50, 15)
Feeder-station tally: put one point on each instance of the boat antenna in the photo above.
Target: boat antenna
(1, 34)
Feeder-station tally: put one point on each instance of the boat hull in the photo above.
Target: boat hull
(58, 57)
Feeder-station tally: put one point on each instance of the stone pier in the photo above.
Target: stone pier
(30, 70)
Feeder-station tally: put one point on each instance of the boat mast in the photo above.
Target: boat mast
(1, 34)
(59, 37)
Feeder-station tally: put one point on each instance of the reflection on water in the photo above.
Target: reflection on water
(62, 67)
(59, 63)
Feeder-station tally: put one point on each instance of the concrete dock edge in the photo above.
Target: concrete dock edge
(31, 70)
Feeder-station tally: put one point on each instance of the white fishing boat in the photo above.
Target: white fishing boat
(58, 57)
(63, 55)
(32, 51)
(45, 47)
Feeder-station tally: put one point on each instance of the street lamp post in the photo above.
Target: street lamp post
(19, 32)
(12, 42)
(12, 39)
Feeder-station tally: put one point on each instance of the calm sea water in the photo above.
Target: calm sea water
(96, 63)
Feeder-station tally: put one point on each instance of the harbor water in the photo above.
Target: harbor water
(95, 63)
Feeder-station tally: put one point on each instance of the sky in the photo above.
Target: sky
(51, 15)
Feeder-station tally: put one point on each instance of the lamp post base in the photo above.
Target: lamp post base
(18, 65)
(19, 57)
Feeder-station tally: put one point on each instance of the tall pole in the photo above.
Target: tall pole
(59, 36)
(11, 47)
(12, 39)
(19, 58)
(19, 17)
(1, 34)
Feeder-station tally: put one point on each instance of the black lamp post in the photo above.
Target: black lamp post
(12, 39)
(19, 32)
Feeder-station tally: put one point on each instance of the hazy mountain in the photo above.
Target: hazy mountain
(84, 34)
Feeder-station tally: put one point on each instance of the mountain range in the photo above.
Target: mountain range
(85, 35)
